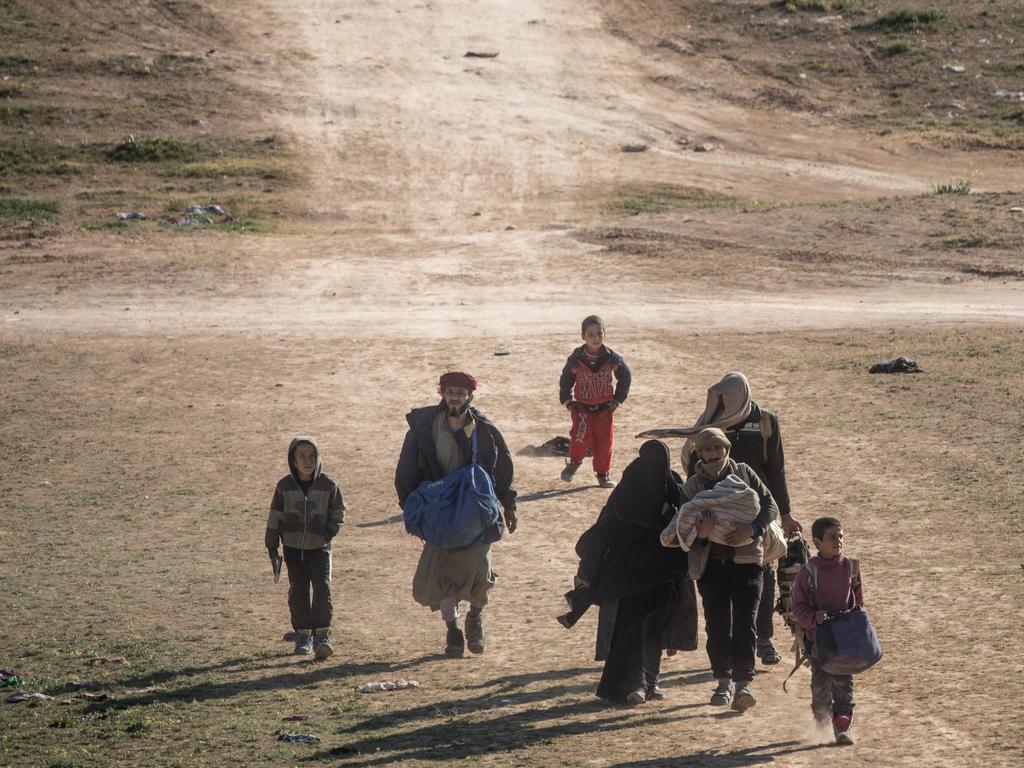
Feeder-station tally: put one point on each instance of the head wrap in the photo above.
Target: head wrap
(710, 437)
(645, 487)
(457, 379)
(728, 404)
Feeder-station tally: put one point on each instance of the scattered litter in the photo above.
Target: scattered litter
(705, 148)
(16, 697)
(86, 696)
(289, 636)
(387, 685)
(197, 121)
(501, 352)
(802, 75)
(556, 446)
(299, 738)
(202, 214)
(132, 216)
(1016, 209)
(95, 716)
(635, 147)
(45, 483)
(143, 691)
(506, 701)
(896, 365)
(958, 68)
(1001, 94)
(480, 55)
(91, 662)
(295, 718)
(205, 210)
(9, 678)
(344, 750)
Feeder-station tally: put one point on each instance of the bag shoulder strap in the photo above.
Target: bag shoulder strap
(766, 434)
(472, 442)
(854, 573)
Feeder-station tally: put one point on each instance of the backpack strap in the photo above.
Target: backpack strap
(800, 656)
(854, 576)
(766, 434)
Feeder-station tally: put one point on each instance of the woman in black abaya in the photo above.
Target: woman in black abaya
(622, 560)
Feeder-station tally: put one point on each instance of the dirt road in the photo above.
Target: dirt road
(456, 206)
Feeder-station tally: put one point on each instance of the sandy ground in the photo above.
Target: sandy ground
(445, 196)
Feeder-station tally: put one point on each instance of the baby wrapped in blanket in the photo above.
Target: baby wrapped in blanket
(733, 503)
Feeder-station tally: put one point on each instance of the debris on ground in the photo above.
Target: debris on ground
(387, 685)
(957, 68)
(295, 718)
(10, 678)
(480, 55)
(896, 365)
(635, 147)
(501, 352)
(132, 216)
(94, 660)
(85, 696)
(25, 696)
(143, 691)
(705, 147)
(299, 738)
(1016, 209)
(556, 446)
(202, 214)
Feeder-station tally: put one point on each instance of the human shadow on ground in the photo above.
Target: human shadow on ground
(737, 758)
(249, 663)
(300, 675)
(508, 691)
(551, 493)
(449, 739)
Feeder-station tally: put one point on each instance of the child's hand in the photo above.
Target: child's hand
(819, 617)
(739, 534)
(568, 405)
(614, 406)
(705, 523)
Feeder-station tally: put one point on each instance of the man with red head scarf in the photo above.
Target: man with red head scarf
(439, 442)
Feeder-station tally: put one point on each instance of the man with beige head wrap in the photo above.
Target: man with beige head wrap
(728, 569)
(755, 439)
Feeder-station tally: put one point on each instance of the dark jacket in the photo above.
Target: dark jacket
(748, 448)
(418, 460)
(591, 382)
(304, 520)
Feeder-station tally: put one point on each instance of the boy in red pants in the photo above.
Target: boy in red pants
(585, 388)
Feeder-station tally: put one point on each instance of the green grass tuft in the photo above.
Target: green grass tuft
(28, 208)
(159, 149)
(908, 21)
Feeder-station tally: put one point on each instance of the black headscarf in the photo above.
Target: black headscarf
(621, 553)
(647, 490)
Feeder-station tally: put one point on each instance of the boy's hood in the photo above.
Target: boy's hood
(291, 454)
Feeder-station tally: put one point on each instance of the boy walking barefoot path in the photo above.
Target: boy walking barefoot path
(585, 389)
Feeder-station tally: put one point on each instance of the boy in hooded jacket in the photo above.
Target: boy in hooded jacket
(306, 513)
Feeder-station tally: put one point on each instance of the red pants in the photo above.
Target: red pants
(594, 430)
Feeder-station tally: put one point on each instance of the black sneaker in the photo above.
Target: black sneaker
(455, 642)
(605, 480)
(570, 470)
(767, 653)
(654, 692)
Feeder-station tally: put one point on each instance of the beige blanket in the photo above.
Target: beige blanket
(733, 503)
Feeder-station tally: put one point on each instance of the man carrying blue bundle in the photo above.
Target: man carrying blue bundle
(442, 440)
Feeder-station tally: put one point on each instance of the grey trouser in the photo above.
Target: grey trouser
(831, 695)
